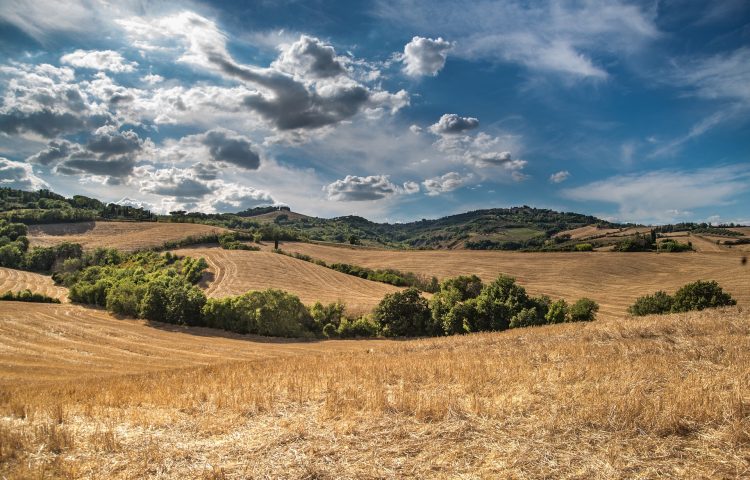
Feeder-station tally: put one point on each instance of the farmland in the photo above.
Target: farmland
(125, 236)
(234, 272)
(651, 397)
(613, 279)
(12, 280)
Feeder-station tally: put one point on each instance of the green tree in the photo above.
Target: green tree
(404, 313)
(700, 295)
(584, 310)
(558, 312)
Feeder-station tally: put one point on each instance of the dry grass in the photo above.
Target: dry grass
(613, 279)
(654, 397)
(12, 280)
(234, 272)
(126, 236)
(45, 342)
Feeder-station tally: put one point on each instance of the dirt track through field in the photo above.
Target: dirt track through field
(613, 279)
(238, 271)
(126, 236)
(16, 280)
(42, 342)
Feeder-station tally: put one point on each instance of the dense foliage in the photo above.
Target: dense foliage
(698, 295)
(28, 296)
(463, 304)
(15, 252)
(44, 206)
(234, 241)
(672, 246)
(704, 228)
(637, 243)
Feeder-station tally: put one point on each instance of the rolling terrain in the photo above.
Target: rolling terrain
(652, 397)
(234, 272)
(613, 279)
(125, 236)
(12, 280)
(45, 342)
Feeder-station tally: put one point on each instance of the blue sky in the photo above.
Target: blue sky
(393, 110)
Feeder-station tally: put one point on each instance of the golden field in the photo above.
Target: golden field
(125, 236)
(234, 272)
(613, 279)
(12, 280)
(654, 397)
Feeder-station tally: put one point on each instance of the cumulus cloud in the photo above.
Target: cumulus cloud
(425, 56)
(306, 87)
(655, 196)
(558, 37)
(445, 183)
(47, 101)
(450, 123)
(310, 56)
(19, 175)
(108, 153)
(108, 60)
(484, 151)
(353, 188)
(559, 177)
(226, 146)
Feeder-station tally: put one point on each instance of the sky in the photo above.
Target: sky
(394, 110)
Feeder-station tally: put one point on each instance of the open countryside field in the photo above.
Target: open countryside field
(613, 279)
(664, 397)
(126, 236)
(234, 272)
(12, 280)
(43, 343)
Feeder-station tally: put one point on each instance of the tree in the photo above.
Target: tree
(403, 313)
(700, 295)
(657, 303)
(584, 310)
(558, 312)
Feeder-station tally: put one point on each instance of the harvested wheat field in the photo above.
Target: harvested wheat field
(234, 272)
(126, 236)
(12, 280)
(664, 397)
(44, 342)
(613, 279)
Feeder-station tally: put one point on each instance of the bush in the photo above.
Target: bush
(558, 312)
(502, 301)
(700, 295)
(11, 256)
(584, 310)
(270, 312)
(323, 315)
(28, 296)
(657, 303)
(403, 313)
(672, 246)
(583, 247)
(361, 327)
(451, 307)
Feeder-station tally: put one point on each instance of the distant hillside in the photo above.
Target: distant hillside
(516, 228)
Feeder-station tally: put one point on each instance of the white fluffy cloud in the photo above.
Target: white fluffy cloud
(559, 37)
(445, 183)
(108, 60)
(559, 177)
(450, 124)
(19, 175)
(353, 188)
(425, 56)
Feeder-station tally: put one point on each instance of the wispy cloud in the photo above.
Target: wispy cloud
(662, 195)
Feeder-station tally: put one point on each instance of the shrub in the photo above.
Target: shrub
(361, 327)
(700, 295)
(451, 309)
(28, 296)
(499, 302)
(527, 317)
(403, 313)
(270, 312)
(672, 246)
(583, 247)
(172, 299)
(323, 315)
(330, 331)
(584, 310)
(558, 312)
(637, 243)
(10, 256)
(657, 303)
